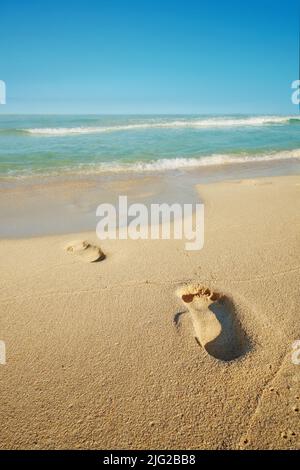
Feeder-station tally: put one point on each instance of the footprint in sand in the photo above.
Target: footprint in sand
(215, 325)
(85, 251)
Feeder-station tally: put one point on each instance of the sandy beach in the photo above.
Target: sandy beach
(103, 355)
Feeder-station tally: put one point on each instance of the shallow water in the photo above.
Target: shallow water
(54, 205)
(89, 145)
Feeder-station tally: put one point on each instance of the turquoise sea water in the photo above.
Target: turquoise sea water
(47, 145)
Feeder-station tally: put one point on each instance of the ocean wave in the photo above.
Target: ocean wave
(13, 131)
(181, 163)
(160, 165)
(216, 122)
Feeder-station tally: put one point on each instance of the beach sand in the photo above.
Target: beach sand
(103, 355)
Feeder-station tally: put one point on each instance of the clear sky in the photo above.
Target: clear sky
(142, 56)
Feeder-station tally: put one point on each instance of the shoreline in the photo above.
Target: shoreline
(213, 170)
(59, 206)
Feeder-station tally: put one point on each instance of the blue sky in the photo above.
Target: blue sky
(149, 56)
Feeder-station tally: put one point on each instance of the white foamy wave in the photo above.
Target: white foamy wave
(181, 163)
(216, 122)
(212, 160)
(160, 165)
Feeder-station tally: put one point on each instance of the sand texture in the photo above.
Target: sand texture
(142, 344)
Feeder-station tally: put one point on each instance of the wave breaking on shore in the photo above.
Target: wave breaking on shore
(159, 165)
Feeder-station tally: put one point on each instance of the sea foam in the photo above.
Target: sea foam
(214, 122)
